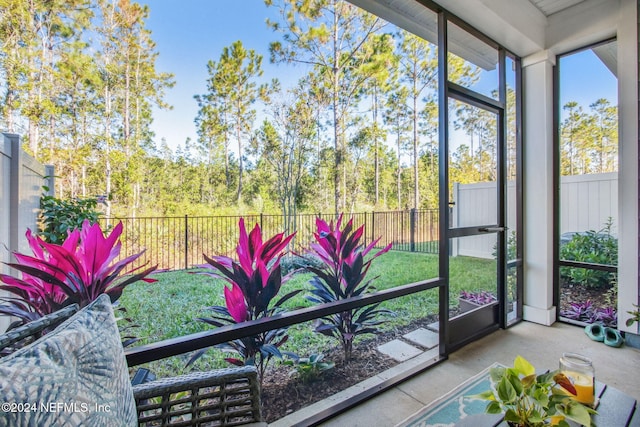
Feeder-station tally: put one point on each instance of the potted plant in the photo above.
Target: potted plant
(470, 300)
(530, 400)
(478, 313)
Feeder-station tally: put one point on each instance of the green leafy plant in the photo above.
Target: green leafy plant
(342, 276)
(530, 400)
(308, 369)
(255, 279)
(78, 271)
(635, 315)
(59, 217)
(295, 262)
(512, 247)
(599, 247)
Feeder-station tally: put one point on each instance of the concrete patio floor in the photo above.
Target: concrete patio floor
(542, 346)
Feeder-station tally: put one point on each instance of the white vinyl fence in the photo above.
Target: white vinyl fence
(21, 181)
(586, 203)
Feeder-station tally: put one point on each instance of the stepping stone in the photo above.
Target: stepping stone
(435, 326)
(399, 350)
(423, 338)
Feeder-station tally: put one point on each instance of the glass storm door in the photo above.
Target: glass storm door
(476, 229)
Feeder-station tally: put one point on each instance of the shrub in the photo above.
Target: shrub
(342, 276)
(298, 262)
(593, 247)
(59, 217)
(308, 369)
(255, 280)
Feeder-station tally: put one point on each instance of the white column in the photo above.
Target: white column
(538, 188)
(628, 156)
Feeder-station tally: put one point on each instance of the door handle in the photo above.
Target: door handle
(491, 229)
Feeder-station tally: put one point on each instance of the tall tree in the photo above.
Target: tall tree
(604, 118)
(130, 86)
(232, 91)
(419, 70)
(381, 61)
(397, 119)
(13, 18)
(285, 144)
(483, 125)
(213, 138)
(570, 134)
(35, 35)
(329, 35)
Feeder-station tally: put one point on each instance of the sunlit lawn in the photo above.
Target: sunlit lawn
(169, 308)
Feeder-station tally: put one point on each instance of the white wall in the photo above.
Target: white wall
(586, 203)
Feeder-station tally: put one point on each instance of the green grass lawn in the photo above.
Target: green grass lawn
(169, 308)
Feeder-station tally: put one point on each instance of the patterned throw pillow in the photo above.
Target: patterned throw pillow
(76, 375)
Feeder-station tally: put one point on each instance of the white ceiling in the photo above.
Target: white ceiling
(524, 27)
(549, 7)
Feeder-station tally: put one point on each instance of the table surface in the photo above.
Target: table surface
(615, 409)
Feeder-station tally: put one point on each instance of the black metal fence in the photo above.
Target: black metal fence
(179, 242)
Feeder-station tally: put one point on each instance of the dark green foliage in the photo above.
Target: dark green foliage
(636, 316)
(343, 276)
(297, 262)
(512, 247)
(599, 247)
(58, 217)
(308, 369)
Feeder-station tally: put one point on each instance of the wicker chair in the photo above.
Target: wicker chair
(224, 397)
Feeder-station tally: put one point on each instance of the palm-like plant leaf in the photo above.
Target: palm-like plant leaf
(342, 276)
(258, 276)
(76, 271)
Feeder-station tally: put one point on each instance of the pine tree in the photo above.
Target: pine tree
(328, 35)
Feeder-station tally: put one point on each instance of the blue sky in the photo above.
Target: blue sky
(191, 32)
(585, 79)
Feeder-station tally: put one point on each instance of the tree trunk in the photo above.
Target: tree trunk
(399, 174)
(334, 102)
(375, 146)
(416, 191)
(240, 163)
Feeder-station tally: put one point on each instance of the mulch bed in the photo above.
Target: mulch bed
(570, 293)
(283, 394)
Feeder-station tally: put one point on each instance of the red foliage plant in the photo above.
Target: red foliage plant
(76, 271)
(255, 279)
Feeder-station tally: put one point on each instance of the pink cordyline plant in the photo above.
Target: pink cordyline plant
(255, 279)
(77, 271)
(342, 276)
